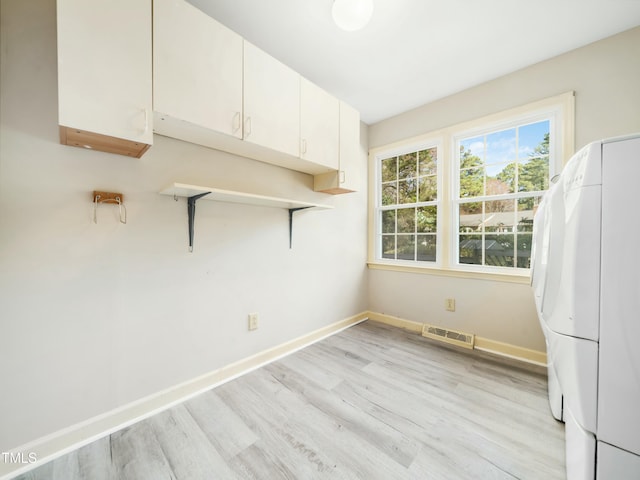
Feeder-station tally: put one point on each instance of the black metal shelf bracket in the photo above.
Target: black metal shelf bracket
(191, 210)
(291, 212)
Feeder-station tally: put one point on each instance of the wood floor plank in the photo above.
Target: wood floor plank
(372, 402)
(323, 439)
(277, 425)
(257, 463)
(380, 436)
(137, 455)
(227, 432)
(314, 372)
(186, 447)
(95, 461)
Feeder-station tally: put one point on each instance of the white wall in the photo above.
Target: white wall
(499, 311)
(606, 78)
(95, 316)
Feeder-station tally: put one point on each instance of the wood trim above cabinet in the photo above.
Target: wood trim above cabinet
(104, 143)
(331, 183)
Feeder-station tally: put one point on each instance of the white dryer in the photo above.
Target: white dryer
(589, 303)
(619, 356)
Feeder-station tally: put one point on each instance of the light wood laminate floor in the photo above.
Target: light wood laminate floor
(372, 402)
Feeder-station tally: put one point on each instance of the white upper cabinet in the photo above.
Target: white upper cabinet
(197, 70)
(350, 151)
(319, 125)
(271, 102)
(105, 75)
(345, 179)
(213, 88)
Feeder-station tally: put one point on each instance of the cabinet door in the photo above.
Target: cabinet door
(197, 68)
(104, 68)
(271, 102)
(345, 179)
(319, 125)
(349, 147)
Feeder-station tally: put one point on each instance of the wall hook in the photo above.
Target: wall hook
(109, 197)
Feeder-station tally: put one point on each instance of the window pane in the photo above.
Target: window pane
(426, 248)
(428, 188)
(408, 165)
(498, 250)
(389, 194)
(524, 250)
(470, 217)
(471, 249)
(533, 139)
(533, 174)
(501, 147)
(406, 247)
(407, 191)
(501, 179)
(406, 220)
(533, 155)
(427, 162)
(499, 216)
(389, 169)
(529, 203)
(471, 182)
(388, 246)
(389, 221)
(407, 183)
(500, 165)
(471, 152)
(526, 211)
(427, 218)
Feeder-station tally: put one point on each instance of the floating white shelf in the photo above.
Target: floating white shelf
(229, 196)
(195, 192)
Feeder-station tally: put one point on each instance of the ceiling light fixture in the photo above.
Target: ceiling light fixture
(352, 15)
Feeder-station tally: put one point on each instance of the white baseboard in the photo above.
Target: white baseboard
(64, 441)
(483, 344)
(511, 351)
(395, 321)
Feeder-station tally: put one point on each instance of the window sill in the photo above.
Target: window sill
(446, 272)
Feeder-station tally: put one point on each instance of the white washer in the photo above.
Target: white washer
(539, 259)
(570, 304)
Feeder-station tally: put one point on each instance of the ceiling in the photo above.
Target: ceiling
(416, 51)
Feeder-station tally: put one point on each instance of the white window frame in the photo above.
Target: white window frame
(379, 208)
(561, 107)
(553, 115)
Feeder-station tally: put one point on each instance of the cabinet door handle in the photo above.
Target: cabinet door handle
(341, 177)
(236, 123)
(145, 129)
(304, 145)
(247, 127)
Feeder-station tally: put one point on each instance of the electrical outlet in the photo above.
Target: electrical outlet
(450, 304)
(253, 321)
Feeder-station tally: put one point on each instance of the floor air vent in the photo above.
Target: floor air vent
(450, 336)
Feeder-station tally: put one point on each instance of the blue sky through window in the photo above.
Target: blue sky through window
(500, 147)
(530, 136)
